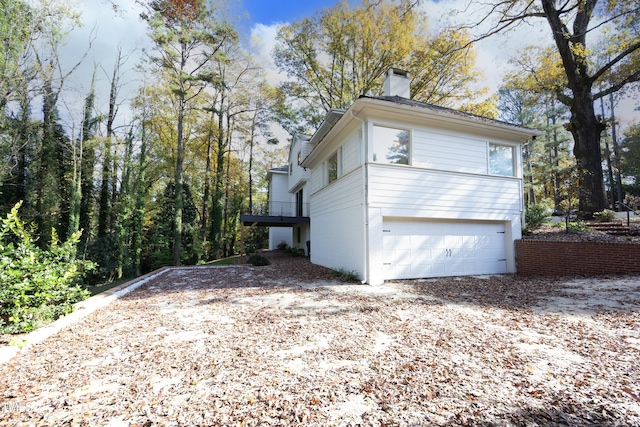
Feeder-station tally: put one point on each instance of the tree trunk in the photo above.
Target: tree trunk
(179, 199)
(76, 190)
(616, 155)
(179, 202)
(608, 159)
(140, 193)
(207, 183)
(586, 128)
(105, 194)
(584, 125)
(47, 152)
(215, 236)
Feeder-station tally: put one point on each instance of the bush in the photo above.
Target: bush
(573, 226)
(37, 286)
(345, 275)
(606, 215)
(297, 252)
(282, 246)
(258, 260)
(535, 216)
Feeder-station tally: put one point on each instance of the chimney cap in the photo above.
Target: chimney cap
(397, 82)
(397, 72)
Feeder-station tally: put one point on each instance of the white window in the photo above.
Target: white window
(391, 145)
(501, 160)
(332, 168)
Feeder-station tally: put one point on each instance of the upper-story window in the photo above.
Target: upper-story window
(332, 168)
(391, 145)
(299, 157)
(501, 160)
(290, 168)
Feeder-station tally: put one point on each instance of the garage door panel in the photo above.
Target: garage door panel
(422, 243)
(415, 249)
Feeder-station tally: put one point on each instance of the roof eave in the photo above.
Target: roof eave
(330, 120)
(450, 115)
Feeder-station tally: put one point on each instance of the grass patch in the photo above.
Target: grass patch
(98, 289)
(232, 260)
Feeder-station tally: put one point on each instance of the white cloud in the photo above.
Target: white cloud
(263, 41)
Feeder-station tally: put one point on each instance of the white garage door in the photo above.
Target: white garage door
(419, 248)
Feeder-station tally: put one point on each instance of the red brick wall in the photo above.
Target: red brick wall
(538, 257)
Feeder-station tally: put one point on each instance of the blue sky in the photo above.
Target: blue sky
(277, 11)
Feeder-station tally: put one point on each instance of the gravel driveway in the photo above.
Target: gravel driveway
(287, 345)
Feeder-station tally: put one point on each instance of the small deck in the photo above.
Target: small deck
(272, 220)
(276, 214)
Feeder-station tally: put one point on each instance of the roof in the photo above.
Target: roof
(450, 111)
(334, 117)
(279, 169)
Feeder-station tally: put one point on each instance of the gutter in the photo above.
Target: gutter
(365, 195)
(330, 120)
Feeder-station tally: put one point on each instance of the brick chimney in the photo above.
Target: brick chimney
(397, 83)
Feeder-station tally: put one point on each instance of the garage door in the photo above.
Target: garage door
(418, 248)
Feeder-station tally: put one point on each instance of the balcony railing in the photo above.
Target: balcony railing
(289, 209)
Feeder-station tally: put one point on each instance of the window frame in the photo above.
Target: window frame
(328, 169)
(399, 130)
(495, 171)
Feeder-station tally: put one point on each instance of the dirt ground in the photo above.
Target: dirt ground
(287, 344)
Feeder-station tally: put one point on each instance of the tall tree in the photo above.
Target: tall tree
(18, 142)
(57, 23)
(571, 23)
(140, 183)
(342, 53)
(229, 102)
(89, 124)
(187, 37)
(17, 30)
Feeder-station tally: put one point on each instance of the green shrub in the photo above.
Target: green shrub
(282, 246)
(535, 216)
(37, 286)
(258, 260)
(573, 226)
(345, 275)
(578, 226)
(606, 215)
(297, 252)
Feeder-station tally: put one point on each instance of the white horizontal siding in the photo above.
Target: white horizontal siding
(279, 188)
(410, 192)
(316, 179)
(351, 153)
(299, 176)
(337, 225)
(344, 192)
(449, 152)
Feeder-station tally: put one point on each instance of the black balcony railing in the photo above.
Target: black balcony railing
(288, 209)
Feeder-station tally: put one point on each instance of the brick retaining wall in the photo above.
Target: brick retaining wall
(539, 257)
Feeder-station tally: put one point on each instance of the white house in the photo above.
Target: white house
(279, 201)
(287, 213)
(402, 189)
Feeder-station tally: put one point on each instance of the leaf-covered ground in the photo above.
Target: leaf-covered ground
(286, 345)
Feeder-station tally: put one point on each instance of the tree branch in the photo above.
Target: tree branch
(614, 61)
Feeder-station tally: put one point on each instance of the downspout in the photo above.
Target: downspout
(365, 194)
